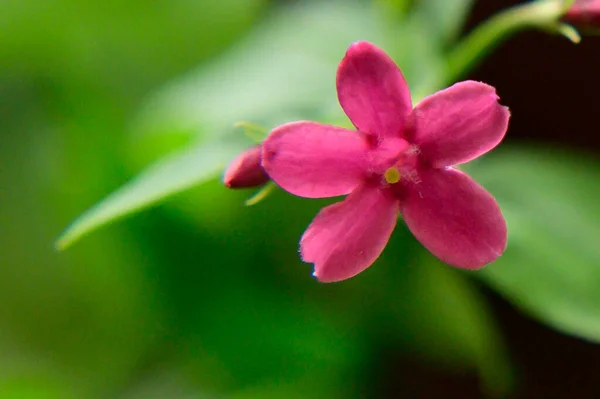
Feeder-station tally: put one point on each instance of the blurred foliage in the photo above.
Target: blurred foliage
(200, 297)
(174, 173)
(550, 270)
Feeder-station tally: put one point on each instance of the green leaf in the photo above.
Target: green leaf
(551, 267)
(171, 175)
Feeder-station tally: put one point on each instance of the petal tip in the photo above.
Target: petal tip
(456, 219)
(315, 275)
(326, 278)
(459, 124)
(347, 237)
(372, 90)
(478, 87)
(481, 260)
(361, 46)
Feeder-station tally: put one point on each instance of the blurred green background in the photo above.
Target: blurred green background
(202, 297)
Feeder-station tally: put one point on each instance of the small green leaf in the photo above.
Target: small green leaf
(168, 176)
(569, 32)
(551, 266)
(255, 132)
(261, 194)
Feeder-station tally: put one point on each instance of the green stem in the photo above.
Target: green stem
(537, 14)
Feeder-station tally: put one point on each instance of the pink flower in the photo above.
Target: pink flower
(245, 171)
(584, 13)
(398, 160)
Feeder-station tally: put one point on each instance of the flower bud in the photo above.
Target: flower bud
(245, 171)
(584, 13)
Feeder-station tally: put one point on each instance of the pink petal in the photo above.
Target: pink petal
(346, 238)
(372, 91)
(312, 160)
(458, 124)
(455, 218)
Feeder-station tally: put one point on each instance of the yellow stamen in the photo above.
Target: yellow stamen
(392, 175)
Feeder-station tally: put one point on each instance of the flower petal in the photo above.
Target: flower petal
(455, 218)
(458, 124)
(312, 160)
(372, 91)
(346, 238)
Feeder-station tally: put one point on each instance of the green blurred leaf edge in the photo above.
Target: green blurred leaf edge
(173, 174)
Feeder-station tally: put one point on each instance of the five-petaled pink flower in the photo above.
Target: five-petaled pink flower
(398, 160)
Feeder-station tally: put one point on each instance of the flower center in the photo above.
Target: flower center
(394, 161)
(403, 166)
(392, 175)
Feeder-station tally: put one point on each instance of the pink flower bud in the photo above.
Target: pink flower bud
(584, 13)
(245, 171)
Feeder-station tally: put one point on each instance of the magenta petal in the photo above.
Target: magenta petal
(372, 91)
(346, 238)
(458, 124)
(455, 218)
(312, 160)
